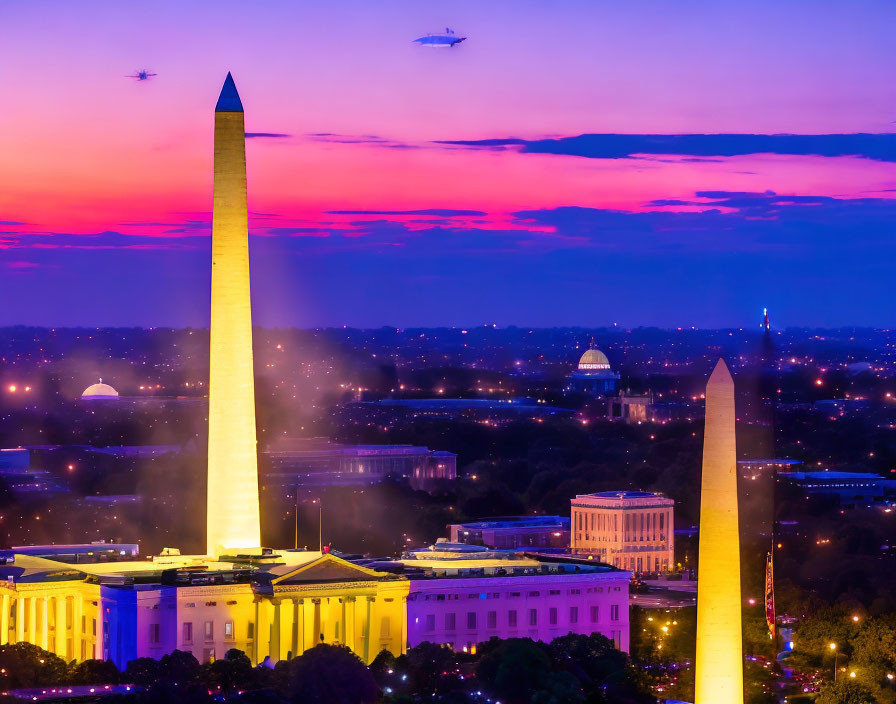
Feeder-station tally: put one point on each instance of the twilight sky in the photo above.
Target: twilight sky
(572, 163)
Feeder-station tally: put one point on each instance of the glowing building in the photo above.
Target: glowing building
(99, 392)
(719, 663)
(593, 376)
(474, 594)
(632, 530)
(232, 460)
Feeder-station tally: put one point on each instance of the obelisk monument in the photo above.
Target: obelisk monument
(232, 513)
(719, 665)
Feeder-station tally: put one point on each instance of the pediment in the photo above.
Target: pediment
(327, 568)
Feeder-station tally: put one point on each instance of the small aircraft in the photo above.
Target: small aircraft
(142, 75)
(440, 41)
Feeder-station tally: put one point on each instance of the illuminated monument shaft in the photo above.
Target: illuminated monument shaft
(719, 665)
(233, 512)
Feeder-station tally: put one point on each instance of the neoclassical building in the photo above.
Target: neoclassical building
(593, 376)
(632, 530)
(273, 606)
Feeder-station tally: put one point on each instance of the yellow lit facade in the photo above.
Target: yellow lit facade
(120, 611)
(49, 605)
(233, 513)
(719, 663)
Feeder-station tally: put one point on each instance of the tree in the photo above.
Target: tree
(845, 691)
(143, 671)
(232, 672)
(94, 672)
(180, 668)
(330, 674)
(26, 665)
(519, 670)
(431, 668)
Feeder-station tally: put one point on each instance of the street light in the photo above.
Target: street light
(833, 647)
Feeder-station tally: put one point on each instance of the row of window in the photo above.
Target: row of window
(491, 618)
(155, 632)
(514, 595)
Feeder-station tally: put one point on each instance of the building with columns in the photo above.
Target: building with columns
(273, 606)
(631, 530)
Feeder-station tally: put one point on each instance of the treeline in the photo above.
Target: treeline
(572, 669)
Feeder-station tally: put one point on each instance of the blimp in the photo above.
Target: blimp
(440, 41)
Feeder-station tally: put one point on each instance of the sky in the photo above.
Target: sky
(571, 163)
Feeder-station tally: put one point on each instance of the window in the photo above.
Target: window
(533, 617)
(511, 619)
(492, 619)
(450, 622)
(595, 613)
(154, 636)
(471, 620)
(250, 634)
(614, 612)
(430, 622)
(228, 630)
(534, 593)
(209, 630)
(573, 614)
(554, 592)
(208, 655)
(552, 616)
(385, 627)
(188, 633)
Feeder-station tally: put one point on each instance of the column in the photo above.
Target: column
(350, 623)
(343, 632)
(61, 627)
(317, 624)
(44, 623)
(20, 619)
(275, 631)
(373, 627)
(4, 621)
(263, 630)
(367, 630)
(77, 625)
(298, 625)
(32, 620)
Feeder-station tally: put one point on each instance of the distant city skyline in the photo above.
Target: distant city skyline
(394, 185)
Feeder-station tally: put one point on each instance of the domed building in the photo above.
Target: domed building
(593, 376)
(99, 392)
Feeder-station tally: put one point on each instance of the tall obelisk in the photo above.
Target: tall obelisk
(233, 513)
(719, 675)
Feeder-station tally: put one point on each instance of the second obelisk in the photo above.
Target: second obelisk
(232, 512)
(719, 667)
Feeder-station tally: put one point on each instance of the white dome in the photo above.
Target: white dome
(594, 359)
(100, 390)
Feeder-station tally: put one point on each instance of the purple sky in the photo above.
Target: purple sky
(394, 184)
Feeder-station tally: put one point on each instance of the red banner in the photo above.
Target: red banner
(770, 596)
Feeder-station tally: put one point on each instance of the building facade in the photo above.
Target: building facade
(513, 532)
(121, 611)
(465, 601)
(632, 530)
(318, 461)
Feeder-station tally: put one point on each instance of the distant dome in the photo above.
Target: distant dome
(594, 359)
(100, 391)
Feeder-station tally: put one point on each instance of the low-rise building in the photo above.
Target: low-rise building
(631, 530)
(319, 461)
(469, 597)
(513, 532)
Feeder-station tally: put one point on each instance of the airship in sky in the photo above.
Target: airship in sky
(440, 41)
